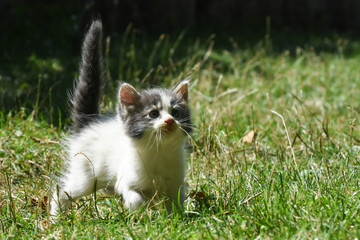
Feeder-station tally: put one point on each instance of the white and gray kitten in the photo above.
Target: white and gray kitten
(137, 153)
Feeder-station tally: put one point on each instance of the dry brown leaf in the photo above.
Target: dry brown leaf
(249, 137)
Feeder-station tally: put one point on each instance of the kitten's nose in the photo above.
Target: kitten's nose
(169, 122)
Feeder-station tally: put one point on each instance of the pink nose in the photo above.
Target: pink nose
(169, 121)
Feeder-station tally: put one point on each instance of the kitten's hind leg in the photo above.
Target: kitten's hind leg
(59, 202)
(74, 187)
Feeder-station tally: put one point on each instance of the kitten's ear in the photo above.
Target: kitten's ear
(182, 89)
(128, 95)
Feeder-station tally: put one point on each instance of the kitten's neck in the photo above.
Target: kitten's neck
(162, 156)
(152, 146)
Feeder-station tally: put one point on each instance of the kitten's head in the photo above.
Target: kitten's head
(159, 113)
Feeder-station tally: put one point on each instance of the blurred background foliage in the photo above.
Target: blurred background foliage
(40, 40)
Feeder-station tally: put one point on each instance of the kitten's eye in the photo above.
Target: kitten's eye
(175, 113)
(154, 114)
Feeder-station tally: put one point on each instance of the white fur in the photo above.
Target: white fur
(105, 155)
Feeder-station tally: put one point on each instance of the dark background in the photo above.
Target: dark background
(37, 36)
(46, 25)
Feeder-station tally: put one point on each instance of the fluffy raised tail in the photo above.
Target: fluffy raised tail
(88, 89)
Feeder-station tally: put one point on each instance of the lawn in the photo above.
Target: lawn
(275, 151)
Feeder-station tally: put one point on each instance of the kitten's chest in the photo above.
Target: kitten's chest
(163, 169)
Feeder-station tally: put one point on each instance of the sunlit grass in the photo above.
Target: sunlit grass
(295, 182)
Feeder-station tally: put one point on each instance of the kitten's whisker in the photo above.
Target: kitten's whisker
(190, 126)
(152, 136)
(191, 139)
(157, 139)
(149, 140)
(182, 129)
(160, 135)
(186, 118)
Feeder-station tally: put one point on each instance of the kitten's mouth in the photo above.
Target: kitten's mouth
(169, 125)
(168, 128)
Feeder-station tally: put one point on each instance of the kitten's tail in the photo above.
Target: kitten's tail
(88, 88)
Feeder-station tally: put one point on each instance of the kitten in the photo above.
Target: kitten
(137, 153)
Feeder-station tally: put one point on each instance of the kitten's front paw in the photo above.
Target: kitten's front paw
(57, 206)
(133, 200)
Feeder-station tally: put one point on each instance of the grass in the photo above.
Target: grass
(296, 177)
